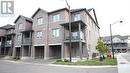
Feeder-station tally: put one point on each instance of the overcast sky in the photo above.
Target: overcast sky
(107, 11)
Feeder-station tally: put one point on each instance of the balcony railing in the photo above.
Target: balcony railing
(26, 41)
(10, 32)
(75, 36)
(8, 43)
(74, 39)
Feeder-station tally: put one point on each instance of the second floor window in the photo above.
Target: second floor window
(56, 32)
(19, 38)
(40, 21)
(20, 26)
(39, 34)
(76, 17)
(56, 18)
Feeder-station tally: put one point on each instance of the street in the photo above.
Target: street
(9, 67)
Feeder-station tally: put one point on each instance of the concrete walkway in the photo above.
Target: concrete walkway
(123, 63)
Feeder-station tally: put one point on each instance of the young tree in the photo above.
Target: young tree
(101, 48)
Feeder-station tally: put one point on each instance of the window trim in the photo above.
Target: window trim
(20, 27)
(38, 35)
(19, 37)
(54, 19)
(55, 33)
(75, 17)
(41, 18)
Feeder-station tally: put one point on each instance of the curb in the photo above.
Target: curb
(67, 66)
(76, 66)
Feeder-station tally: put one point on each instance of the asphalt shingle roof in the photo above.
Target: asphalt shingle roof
(8, 26)
(108, 38)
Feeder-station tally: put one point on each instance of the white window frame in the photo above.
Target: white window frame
(20, 26)
(56, 18)
(40, 21)
(56, 32)
(19, 38)
(39, 34)
(77, 17)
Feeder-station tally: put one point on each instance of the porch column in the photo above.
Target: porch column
(11, 49)
(29, 51)
(62, 48)
(5, 43)
(22, 48)
(32, 52)
(1, 45)
(14, 49)
(80, 43)
(46, 52)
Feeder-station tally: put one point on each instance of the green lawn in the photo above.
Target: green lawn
(91, 62)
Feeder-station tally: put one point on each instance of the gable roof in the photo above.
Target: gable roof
(87, 11)
(39, 9)
(108, 38)
(58, 10)
(95, 17)
(76, 10)
(72, 11)
(90, 9)
(26, 18)
(8, 26)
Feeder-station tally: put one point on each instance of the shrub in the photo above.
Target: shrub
(16, 58)
(65, 60)
(59, 60)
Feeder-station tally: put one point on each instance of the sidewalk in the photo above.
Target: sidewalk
(123, 63)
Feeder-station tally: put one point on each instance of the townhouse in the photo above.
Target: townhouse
(46, 34)
(7, 34)
(121, 44)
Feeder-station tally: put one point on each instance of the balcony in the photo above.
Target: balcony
(8, 43)
(26, 41)
(12, 31)
(25, 27)
(75, 37)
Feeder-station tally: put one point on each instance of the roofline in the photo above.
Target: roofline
(2, 27)
(84, 9)
(92, 18)
(19, 17)
(58, 10)
(37, 12)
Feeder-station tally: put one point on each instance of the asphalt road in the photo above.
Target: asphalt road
(8, 67)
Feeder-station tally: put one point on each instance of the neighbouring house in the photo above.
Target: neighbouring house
(7, 35)
(46, 34)
(121, 44)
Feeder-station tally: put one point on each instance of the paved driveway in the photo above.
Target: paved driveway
(9, 67)
(123, 63)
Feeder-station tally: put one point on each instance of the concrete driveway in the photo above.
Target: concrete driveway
(123, 62)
